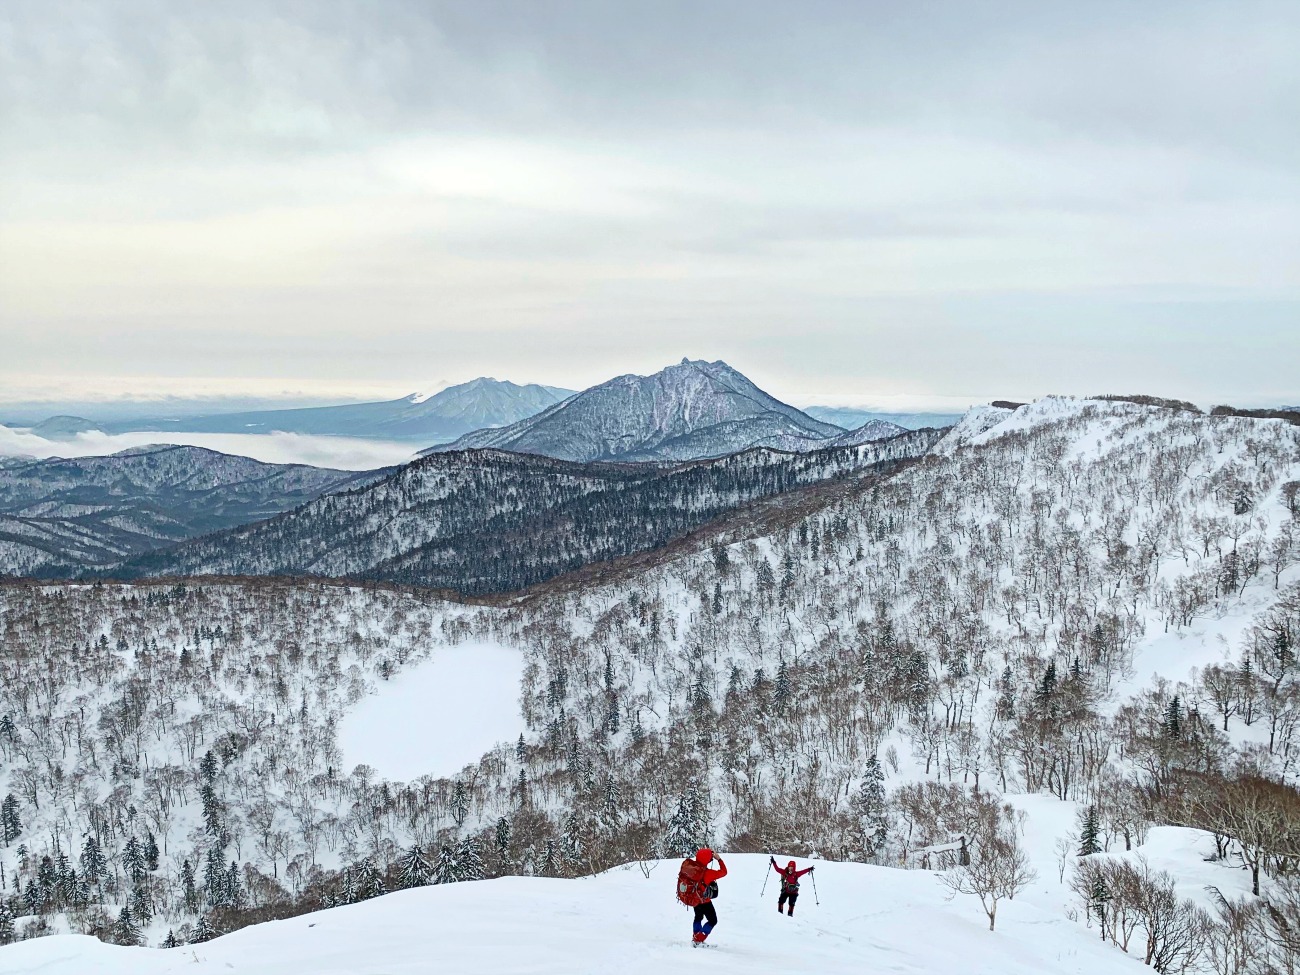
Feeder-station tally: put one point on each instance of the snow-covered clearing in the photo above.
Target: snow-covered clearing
(437, 718)
(870, 919)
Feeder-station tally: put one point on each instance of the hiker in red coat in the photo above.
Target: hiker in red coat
(697, 885)
(789, 884)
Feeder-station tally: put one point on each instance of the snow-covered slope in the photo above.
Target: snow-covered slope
(688, 411)
(870, 919)
(482, 402)
(869, 431)
(1021, 612)
(976, 421)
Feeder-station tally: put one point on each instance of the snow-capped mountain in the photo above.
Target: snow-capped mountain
(486, 521)
(868, 432)
(61, 514)
(448, 413)
(689, 411)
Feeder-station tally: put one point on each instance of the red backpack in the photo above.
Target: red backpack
(691, 889)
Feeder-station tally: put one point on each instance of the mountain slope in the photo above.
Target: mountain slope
(688, 411)
(869, 431)
(1021, 612)
(58, 514)
(489, 521)
(869, 919)
(443, 415)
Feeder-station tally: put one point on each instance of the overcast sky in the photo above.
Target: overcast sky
(888, 203)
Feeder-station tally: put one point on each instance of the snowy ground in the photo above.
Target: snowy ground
(871, 919)
(439, 716)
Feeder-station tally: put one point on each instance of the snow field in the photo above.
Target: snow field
(871, 919)
(439, 716)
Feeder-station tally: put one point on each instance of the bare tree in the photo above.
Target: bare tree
(998, 868)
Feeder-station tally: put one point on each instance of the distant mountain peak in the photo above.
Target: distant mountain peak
(436, 414)
(687, 411)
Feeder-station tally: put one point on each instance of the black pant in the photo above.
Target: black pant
(706, 912)
(787, 895)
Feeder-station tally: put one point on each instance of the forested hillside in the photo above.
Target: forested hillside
(487, 521)
(1097, 602)
(59, 516)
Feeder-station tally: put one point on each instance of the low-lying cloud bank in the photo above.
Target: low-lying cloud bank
(343, 453)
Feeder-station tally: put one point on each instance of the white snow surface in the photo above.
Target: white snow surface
(438, 717)
(870, 919)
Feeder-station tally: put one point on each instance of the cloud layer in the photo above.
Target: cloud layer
(924, 199)
(340, 453)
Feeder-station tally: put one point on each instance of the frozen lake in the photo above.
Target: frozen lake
(436, 717)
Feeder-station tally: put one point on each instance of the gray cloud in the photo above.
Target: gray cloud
(929, 198)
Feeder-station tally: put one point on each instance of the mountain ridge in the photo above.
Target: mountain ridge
(61, 514)
(487, 520)
(447, 413)
(691, 410)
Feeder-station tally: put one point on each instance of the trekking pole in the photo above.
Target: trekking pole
(763, 892)
(813, 875)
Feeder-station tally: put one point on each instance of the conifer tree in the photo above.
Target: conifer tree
(349, 892)
(872, 809)
(469, 862)
(203, 930)
(234, 886)
(11, 823)
(370, 882)
(1172, 726)
(414, 869)
(215, 877)
(459, 802)
(503, 832)
(188, 889)
(126, 931)
(133, 860)
(550, 862)
(93, 862)
(781, 688)
(1089, 833)
(446, 870)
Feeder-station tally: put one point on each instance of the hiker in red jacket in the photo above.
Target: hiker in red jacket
(789, 884)
(697, 885)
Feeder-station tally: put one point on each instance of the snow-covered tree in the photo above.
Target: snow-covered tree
(445, 868)
(469, 863)
(11, 823)
(126, 931)
(873, 815)
(414, 869)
